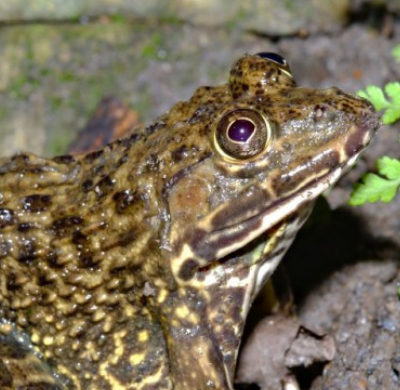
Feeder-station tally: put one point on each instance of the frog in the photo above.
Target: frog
(135, 266)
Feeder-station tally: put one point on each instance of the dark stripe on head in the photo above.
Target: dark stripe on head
(208, 247)
(241, 209)
(282, 187)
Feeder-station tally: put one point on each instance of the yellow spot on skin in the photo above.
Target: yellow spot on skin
(162, 296)
(143, 336)
(130, 311)
(137, 358)
(60, 325)
(60, 339)
(35, 338)
(218, 328)
(76, 345)
(185, 313)
(182, 311)
(98, 315)
(48, 340)
(108, 324)
(5, 328)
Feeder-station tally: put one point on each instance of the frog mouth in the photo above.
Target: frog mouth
(216, 236)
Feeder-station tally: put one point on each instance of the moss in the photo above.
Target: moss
(118, 18)
(289, 5)
(154, 48)
(67, 76)
(55, 102)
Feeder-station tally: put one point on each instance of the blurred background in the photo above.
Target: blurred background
(59, 58)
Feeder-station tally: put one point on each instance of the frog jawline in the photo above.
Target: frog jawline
(278, 210)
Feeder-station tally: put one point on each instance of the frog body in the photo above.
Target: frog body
(134, 267)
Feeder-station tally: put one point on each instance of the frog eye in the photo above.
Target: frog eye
(273, 57)
(242, 134)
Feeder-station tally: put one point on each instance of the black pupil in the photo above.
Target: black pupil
(241, 130)
(272, 56)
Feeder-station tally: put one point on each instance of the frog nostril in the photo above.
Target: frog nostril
(319, 112)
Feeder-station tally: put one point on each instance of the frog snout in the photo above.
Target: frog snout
(362, 132)
(369, 121)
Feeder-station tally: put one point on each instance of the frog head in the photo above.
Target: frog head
(254, 155)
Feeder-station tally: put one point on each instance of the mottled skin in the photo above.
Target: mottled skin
(134, 267)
